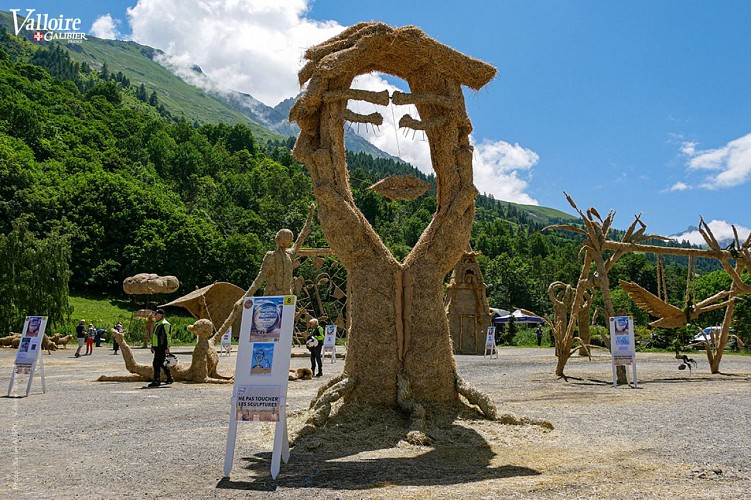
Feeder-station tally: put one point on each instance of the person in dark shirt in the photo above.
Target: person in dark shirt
(160, 347)
(80, 336)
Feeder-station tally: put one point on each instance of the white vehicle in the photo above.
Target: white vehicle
(710, 334)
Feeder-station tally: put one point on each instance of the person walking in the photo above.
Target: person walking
(160, 347)
(539, 336)
(80, 336)
(115, 345)
(316, 332)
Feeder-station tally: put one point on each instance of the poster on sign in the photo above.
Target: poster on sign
(329, 339)
(225, 346)
(490, 348)
(259, 393)
(258, 403)
(262, 359)
(266, 318)
(29, 352)
(622, 345)
(329, 342)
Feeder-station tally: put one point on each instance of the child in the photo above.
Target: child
(90, 339)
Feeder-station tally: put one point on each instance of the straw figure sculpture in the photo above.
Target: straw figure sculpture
(399, 351)
(202, 369)
(276, 268)
(562, 297)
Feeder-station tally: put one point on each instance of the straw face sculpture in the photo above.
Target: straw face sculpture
(398, 351)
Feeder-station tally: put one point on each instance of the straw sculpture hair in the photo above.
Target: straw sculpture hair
(202, 369)
(399, 350)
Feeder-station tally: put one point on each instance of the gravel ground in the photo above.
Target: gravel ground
(679, 434)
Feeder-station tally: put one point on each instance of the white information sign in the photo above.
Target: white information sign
(225, 345)
(490, 348)
(261, 373)
(622, 345)
(329, 342)
(29, 353)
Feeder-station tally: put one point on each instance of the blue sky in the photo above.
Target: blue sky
(640, 106)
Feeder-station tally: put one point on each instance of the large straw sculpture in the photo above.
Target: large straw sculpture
(398, 349)
(202, 369)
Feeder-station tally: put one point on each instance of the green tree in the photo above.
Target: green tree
(34, 274)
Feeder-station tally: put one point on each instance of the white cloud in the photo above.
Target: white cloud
(679, 186)
(722, 230)
(257, 46)
(688, 148)
(252, 46)
(105, 27)
(500, 168)
(730, 165)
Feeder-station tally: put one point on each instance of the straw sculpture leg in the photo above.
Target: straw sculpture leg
(320, 407)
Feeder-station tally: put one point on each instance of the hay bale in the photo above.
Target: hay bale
(149, 284)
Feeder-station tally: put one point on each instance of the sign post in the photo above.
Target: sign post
(30, 353)
(259, 393)
(623, 346)
(225, 345)
(490, 348)
(329, 342)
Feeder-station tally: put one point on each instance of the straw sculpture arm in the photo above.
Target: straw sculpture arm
(304, 232)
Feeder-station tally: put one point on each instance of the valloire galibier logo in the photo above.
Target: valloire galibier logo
(47, 28)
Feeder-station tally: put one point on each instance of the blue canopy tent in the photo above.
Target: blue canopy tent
(520, 316)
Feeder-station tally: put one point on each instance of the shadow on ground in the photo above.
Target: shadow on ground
(367, 452)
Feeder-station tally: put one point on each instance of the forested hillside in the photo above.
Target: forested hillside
(84, 153)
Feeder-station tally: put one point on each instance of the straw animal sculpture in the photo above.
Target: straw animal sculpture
(301, 374)
(48, 345)
(63, 341)
(399, 350)
(148, 284)
(202, 368)
(12, 340)
(213, 302)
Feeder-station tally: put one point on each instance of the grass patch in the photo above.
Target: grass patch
(105, 312)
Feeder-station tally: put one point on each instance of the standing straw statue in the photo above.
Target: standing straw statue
(276, 268)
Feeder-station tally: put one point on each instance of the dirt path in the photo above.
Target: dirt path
(678, 434)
